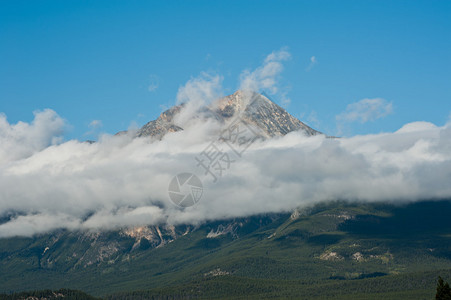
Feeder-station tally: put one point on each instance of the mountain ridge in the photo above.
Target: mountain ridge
(252, 108)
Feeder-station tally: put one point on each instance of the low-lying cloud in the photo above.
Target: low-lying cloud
(122, 181)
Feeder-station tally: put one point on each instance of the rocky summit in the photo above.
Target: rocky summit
(252, 108)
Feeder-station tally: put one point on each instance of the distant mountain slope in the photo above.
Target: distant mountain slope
(335, 244)
(253, 108)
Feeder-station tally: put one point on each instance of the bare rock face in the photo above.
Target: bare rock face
(161, 126)
(252, 108)
(258, 110)
(155, 236)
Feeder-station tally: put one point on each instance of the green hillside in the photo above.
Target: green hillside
(336, 250)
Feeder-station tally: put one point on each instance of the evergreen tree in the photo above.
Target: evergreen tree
(443, 290)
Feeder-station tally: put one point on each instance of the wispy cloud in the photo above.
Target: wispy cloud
(154, 83)
(285, 100)
(94, 127)
(313, 62)
(313, 120)
(265, 77)
(95, 124)
(366, 110)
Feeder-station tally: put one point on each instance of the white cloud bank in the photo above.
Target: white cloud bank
(22, 140)
(121, 181)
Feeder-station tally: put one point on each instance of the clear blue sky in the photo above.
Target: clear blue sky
(94, 60)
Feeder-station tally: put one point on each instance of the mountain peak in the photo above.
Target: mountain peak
(241, 101)
(253, 108)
